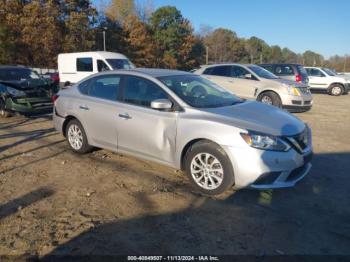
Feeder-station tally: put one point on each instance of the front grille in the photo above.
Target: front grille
(296, 102)
(299, 142)
(307, 102)
(305, 90)
(35, 93)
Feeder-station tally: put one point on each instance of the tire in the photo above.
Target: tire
(3, 112)
(76, 137)
(336, 90)
(270, 98)
(209, 182)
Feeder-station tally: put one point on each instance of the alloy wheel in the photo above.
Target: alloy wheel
(75, 137)
(336, 90)
(266, 100)
(207, 171)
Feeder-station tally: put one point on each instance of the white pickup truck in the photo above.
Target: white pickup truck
(324, 79)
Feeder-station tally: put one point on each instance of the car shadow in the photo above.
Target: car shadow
(28, 137)
(306, 219)
(22, 202)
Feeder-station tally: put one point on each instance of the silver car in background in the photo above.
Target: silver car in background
(254, 82)
(187, 122)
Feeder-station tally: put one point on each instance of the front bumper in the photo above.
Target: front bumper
(297, 103)
(263, 169)
(29, 105)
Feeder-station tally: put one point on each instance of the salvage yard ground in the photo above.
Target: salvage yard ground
(55, 202)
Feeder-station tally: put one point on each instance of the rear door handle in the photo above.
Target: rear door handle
(84, 107)
(125, 116)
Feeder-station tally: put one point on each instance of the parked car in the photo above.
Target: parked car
(188, 123)
(294, 72)
(324, 79)
(54, 76)
(23, 91)
(254, 82)
(73, 67)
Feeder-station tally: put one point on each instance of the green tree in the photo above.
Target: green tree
(257, 50)
(312, 59)
(174, 38)
(79, 18)
(276, 54)
(289, 56)
(224, 46)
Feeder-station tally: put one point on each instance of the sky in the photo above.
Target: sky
(322, 26)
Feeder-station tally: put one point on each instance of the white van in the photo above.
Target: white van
(73, 67)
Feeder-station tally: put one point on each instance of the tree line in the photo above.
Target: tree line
(34, 32)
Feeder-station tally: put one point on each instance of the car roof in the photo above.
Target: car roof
(11, 67)
(226, 64)
(296, 64)
(155, 72)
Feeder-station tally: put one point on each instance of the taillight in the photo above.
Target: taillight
(298, 78)
(54, 98)
(55, 78)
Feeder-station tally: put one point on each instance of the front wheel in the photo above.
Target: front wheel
(3, 112)
(76, 137)
(270, 98)
(209, 168)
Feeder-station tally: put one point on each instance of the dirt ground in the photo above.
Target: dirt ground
(55, 202)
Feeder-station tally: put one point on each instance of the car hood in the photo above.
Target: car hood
(284, 81)
(27, 84)
(255, 116)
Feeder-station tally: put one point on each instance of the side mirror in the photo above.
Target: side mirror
(161, 104)
(248, 76)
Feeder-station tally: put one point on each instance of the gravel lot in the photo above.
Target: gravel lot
(55, 202)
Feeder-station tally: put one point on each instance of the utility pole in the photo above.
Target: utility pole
(206, 55)
(345, 64)
(261, 58)
(104, 38)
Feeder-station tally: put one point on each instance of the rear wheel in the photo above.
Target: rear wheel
(209, 168)
(336, 90)
(76, 137)
(3, 112)
(270, 98)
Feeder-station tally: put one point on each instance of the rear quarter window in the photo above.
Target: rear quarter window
(284, 70)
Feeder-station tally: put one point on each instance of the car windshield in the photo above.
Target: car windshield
(120, 63)
(329, 71)
(17, 74)
(261, 72)
(199, 92)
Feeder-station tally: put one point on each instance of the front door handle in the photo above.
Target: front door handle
(84, 107)
(125, 116)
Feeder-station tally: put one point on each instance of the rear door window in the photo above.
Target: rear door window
(105, 87)
(84, 64)
(314, 72)
(221, 71)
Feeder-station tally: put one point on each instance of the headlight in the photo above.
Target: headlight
(266, 142)
(14, 92)
(292, 90)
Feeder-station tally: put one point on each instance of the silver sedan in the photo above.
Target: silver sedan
(187, 122)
